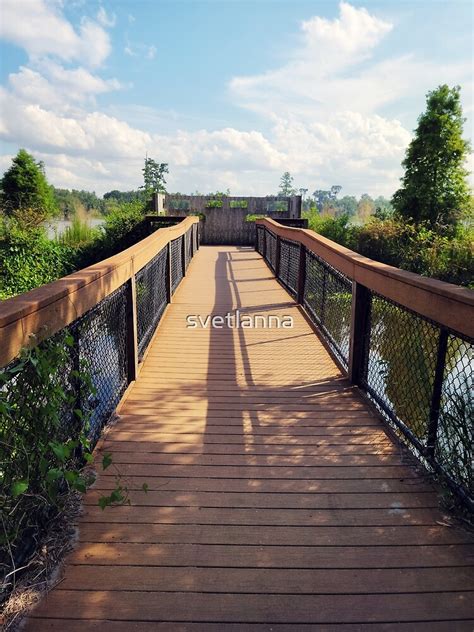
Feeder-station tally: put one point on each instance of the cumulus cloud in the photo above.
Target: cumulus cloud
(31, 24)
(325, 110)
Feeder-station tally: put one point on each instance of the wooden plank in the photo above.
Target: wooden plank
(267, 485)
(271, 471)
(285, 517)
(41, 624)
(228, 608)
(265, 500)
(275, 535)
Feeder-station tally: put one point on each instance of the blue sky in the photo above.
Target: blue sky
(229, 93)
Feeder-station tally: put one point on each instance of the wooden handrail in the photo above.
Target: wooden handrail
(449, 305)
(49, 308)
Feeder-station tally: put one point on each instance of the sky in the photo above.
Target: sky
(230, 93)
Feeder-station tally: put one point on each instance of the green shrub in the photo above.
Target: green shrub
(214, 204)
(238, 204)
(418, 249)
(29, 259)
(39, 453)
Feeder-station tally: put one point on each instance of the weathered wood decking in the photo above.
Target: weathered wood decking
(276, 501)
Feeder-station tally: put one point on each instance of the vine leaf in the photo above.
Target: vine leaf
(18, 488)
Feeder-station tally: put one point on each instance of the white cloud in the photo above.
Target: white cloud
(151, 52)
(40, 28)
(51, 85)
(325, 110)
(105, 19)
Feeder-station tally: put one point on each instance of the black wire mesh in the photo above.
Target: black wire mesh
(401, 362)
(101, 337)
(151, 298)
(189, 247)
(328, 299)
(289, 264)
(176, 262)
(454, 449)
(421, 384)
(260, 238)
(270, 249)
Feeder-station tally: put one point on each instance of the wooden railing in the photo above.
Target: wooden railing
(48, 309)
(406, 341)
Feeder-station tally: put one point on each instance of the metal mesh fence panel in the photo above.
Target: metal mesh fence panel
(289, 263)
(270, 249)
(328, 299)
(101, 336)
(189, 247)
(454, 449)
(260, 238)
(400, 367)
(176, 262)
(151, 296)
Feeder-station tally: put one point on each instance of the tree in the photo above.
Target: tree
(326, 198)
(286, 185)
(347, 205)
(434, 187)
(365, 207)
(25, 192)
(154, 176)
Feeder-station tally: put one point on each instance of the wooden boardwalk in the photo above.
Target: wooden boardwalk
(276, 500)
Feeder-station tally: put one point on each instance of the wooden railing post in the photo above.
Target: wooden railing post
(436, 394)
(359, 322)
(277, 256)
(132, 332)
(301, 274)
(169, 289)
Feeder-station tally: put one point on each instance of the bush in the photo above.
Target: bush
(40, 453)
(29, 259)
(418, 249)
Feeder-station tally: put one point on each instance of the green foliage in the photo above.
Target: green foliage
(434, 188)
(77, 202)
(154, 176)
(40, 456)
(418, 249)
(336, 229)
(124, 196)
(29, 259)
(238, 204)
(251, 217)
(44, 444)
(25, 192)
(286, 185)
(217, 203)
(78, 234)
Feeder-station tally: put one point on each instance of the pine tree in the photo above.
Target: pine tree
(286, 185)
(434, 188)
(25, 192)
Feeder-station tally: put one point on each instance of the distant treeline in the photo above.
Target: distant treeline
(75, 202)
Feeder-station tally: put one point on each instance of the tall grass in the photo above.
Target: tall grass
(78, 234)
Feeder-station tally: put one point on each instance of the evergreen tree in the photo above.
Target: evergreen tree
(286, 185)
(25, 192)
(434, 187)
